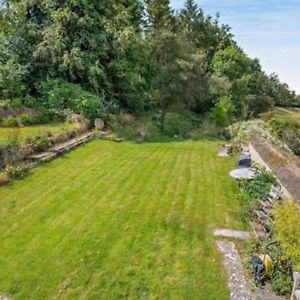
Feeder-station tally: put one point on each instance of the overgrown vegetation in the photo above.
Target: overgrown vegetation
(287, 227)
(242, 132)
(95, 58)
(285, 124)
(280, 276)
(251, 191)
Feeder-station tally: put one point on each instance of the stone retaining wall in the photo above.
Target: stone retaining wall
(285, 166)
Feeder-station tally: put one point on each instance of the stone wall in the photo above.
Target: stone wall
(285, 166)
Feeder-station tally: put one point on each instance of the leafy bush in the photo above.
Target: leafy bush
(41, 118)
(288, 131)
(13, 143)
(27, 120)
(242, 132)
(253, 190)
(222, 112)
(11, 122)
(281, 283)
(180, 124)
(287, 228)
(60, 95)
(41, 143)
(260, 186)
(16, 171)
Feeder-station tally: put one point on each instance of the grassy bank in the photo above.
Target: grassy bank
(31, 131)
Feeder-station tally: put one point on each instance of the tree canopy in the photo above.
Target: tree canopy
(142, 57)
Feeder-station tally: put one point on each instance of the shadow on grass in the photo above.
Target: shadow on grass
(166, 139)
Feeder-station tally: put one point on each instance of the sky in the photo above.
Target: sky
(266, 29)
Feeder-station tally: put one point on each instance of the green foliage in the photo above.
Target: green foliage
(287, 130)
(11, 122)
(13, 143)
(59, 95)
(281, 283)
(232, 63)
(181, 73)
(16, 171)
(41, 143)
(260, 186)
(140, 55)
(30, 101)
(287, 227)
(254, 190)
(27, 120)
(179, 124)
(159, 16)
(242, 132)
(281, 93)
(221, 113)
(11, 76)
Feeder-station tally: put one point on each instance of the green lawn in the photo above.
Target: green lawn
(113, 221)
(31, 131)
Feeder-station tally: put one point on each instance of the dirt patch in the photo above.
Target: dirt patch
(4, 297)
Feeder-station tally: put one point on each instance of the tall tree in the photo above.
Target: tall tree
(159, 16)
(178, 80)
(189, 16)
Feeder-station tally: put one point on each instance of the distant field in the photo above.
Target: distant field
(119, 221)
(289, 114)
(31, 131)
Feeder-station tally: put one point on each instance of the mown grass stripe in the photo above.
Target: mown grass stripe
(123, 221)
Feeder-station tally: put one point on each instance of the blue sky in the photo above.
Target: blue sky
(266, 29)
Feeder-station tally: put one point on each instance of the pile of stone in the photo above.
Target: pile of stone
(264, 214)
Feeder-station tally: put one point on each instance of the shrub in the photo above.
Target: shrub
(179, 124)
(222, 112)
(281, 283)
(260, 186)
(60, 95)
(11, 122)
(242, 132)
(288, 131)
(13, 143)
(253, 190)
(16, 171)
(27, 120)
(41, 143)
(287, 228)
(30, 101)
